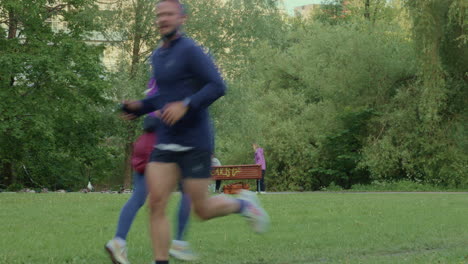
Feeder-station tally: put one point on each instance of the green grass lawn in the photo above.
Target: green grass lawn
(306, 228)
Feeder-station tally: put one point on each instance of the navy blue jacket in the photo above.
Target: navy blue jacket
(182, 70)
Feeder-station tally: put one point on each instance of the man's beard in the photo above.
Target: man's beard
(171, 34)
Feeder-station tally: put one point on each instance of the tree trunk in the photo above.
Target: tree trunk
(12, 25)
(128, 156)
(367, 9)
(378, 4)
(128, 166)
(135, 54)
(12, 29)
(136, 49)
(7, 177)
(137, 36)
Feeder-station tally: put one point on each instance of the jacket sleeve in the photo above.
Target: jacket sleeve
(207, 73)
(149, 104)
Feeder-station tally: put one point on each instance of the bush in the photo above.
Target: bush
(402, 186)
(332, 187)
(15, 187)
(310, 104)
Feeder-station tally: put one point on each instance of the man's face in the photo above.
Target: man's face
(168, 17)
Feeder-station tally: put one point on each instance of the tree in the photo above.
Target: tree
(422, 130)
(228, 30)
(130, 26)
(51, 93)
(310, 102)
(359, 11)
(333, 12)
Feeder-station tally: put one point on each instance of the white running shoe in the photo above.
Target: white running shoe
(181, 250)
(255, 214)
(117, 252)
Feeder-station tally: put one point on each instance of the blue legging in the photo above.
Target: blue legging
(137, 200)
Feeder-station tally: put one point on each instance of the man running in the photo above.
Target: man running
(189, 83)
(142, 148)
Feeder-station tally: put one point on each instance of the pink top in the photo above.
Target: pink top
(259, 158)
(153, 89)
(142, 149)
(144, 145)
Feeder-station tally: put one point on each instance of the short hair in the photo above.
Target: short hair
(182, 8)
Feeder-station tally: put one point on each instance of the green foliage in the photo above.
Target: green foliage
(337, 12)
(423, 129)
(333, 12)
(53, 113)
(309, 105)
(15, 187)
(129, 26)
(354, 103)
(400, 186)
(348, 97)
(332, 188)
(229, 29)
(340, 153)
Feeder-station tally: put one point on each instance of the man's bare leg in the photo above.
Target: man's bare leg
(209, 207)
(161, 179)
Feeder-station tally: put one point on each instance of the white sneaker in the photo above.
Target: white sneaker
(255, 214)
(117, 252)
(181, 250)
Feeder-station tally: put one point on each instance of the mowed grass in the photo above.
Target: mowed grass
(306, 228)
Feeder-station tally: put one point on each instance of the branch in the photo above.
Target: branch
(374, 18)
(56, 8)
(146, 53)
(29, 175)
(405, 80)
(17, 117)
(108, 3)
(381, 131)
(28, 92)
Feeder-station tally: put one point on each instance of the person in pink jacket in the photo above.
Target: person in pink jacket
(260, 160)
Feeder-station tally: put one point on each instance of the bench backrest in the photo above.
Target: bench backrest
(235, 172)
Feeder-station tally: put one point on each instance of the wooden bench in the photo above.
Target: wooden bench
(237, 172)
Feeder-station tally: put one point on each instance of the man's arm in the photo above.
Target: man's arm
(205, 70)
(142, 107)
